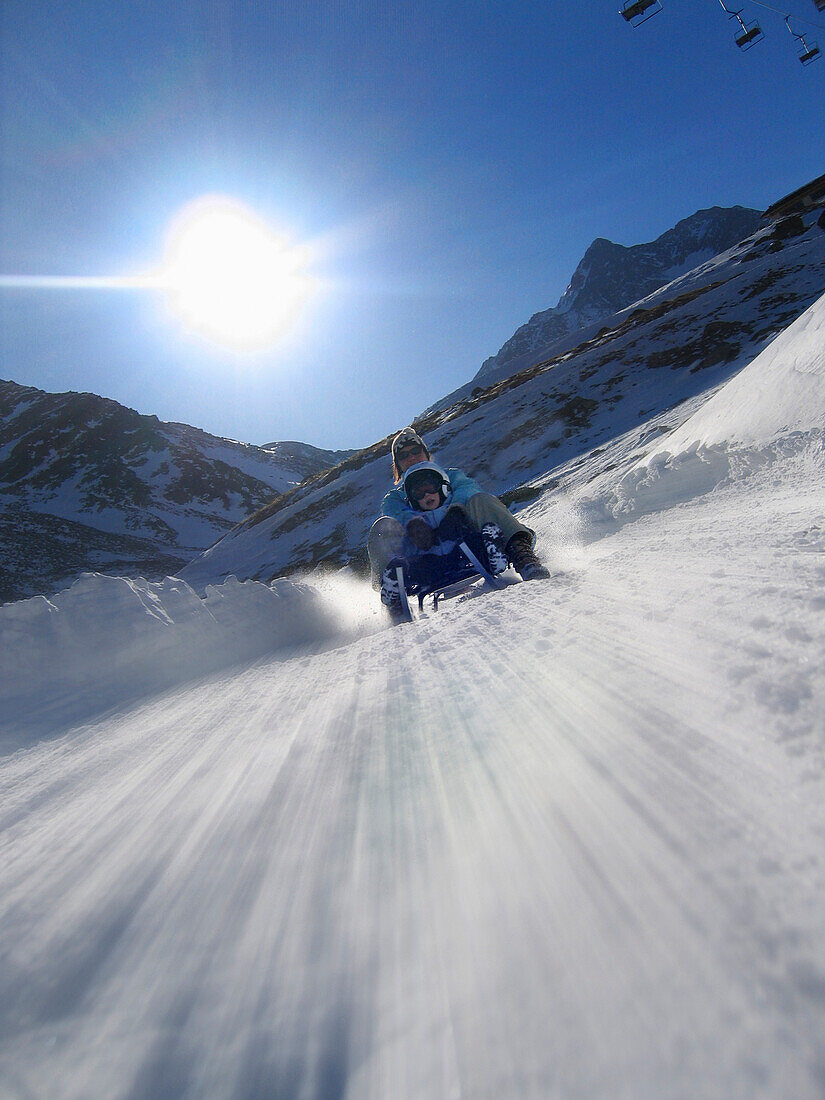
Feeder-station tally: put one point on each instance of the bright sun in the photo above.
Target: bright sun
(230, 277)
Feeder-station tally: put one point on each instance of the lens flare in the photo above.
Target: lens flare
(232, 278)
(225, 273)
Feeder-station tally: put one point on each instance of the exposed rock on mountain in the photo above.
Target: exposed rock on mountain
(86, 483)
(612, 276)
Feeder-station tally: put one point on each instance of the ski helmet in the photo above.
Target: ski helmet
(426, 475)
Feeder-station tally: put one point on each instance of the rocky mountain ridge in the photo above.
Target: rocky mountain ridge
(612, 276)
(86, 483)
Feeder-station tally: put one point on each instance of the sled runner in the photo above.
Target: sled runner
(455, 580)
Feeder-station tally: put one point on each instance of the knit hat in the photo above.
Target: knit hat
(404, 439)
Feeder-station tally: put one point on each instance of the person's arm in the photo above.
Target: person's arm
(420, 532)
(419, 536)
(394, 505)
(463, 487)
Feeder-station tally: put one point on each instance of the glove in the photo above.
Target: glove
(420, 534)
(455, 523)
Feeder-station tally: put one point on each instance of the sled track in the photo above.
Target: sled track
(530, 846)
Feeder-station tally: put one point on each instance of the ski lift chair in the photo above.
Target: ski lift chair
(636, 11)
(750, 34)
(820, 5)
(807, 53)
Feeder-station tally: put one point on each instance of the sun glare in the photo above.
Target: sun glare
(232, 278)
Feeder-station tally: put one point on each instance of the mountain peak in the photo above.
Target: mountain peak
(611, 276)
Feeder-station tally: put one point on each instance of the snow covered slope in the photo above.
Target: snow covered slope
(670, 349)
(563, 840)
(87, 483)
(112, 638)
(774, 408)
(780, 395)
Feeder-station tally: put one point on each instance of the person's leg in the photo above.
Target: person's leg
(485, 508)
(383, 544)
(487, 544)
(484, 511)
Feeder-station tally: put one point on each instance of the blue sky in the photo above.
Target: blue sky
(449, 163)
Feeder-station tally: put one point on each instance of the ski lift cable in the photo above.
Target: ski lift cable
(629, 13)
(808, 53)
(637, 12)
(786, 14)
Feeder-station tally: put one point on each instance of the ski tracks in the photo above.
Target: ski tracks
(528, 846)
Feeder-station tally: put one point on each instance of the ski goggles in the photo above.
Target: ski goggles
(420, 491)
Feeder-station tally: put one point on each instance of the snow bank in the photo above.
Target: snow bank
(774, 407)
(112, 636)
(782, 392)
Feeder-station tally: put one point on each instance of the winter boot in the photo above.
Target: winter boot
(391, 590)
(493, 540)
(520, 552)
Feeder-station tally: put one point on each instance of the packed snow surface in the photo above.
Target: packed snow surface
(563, 840)
(108, 638)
